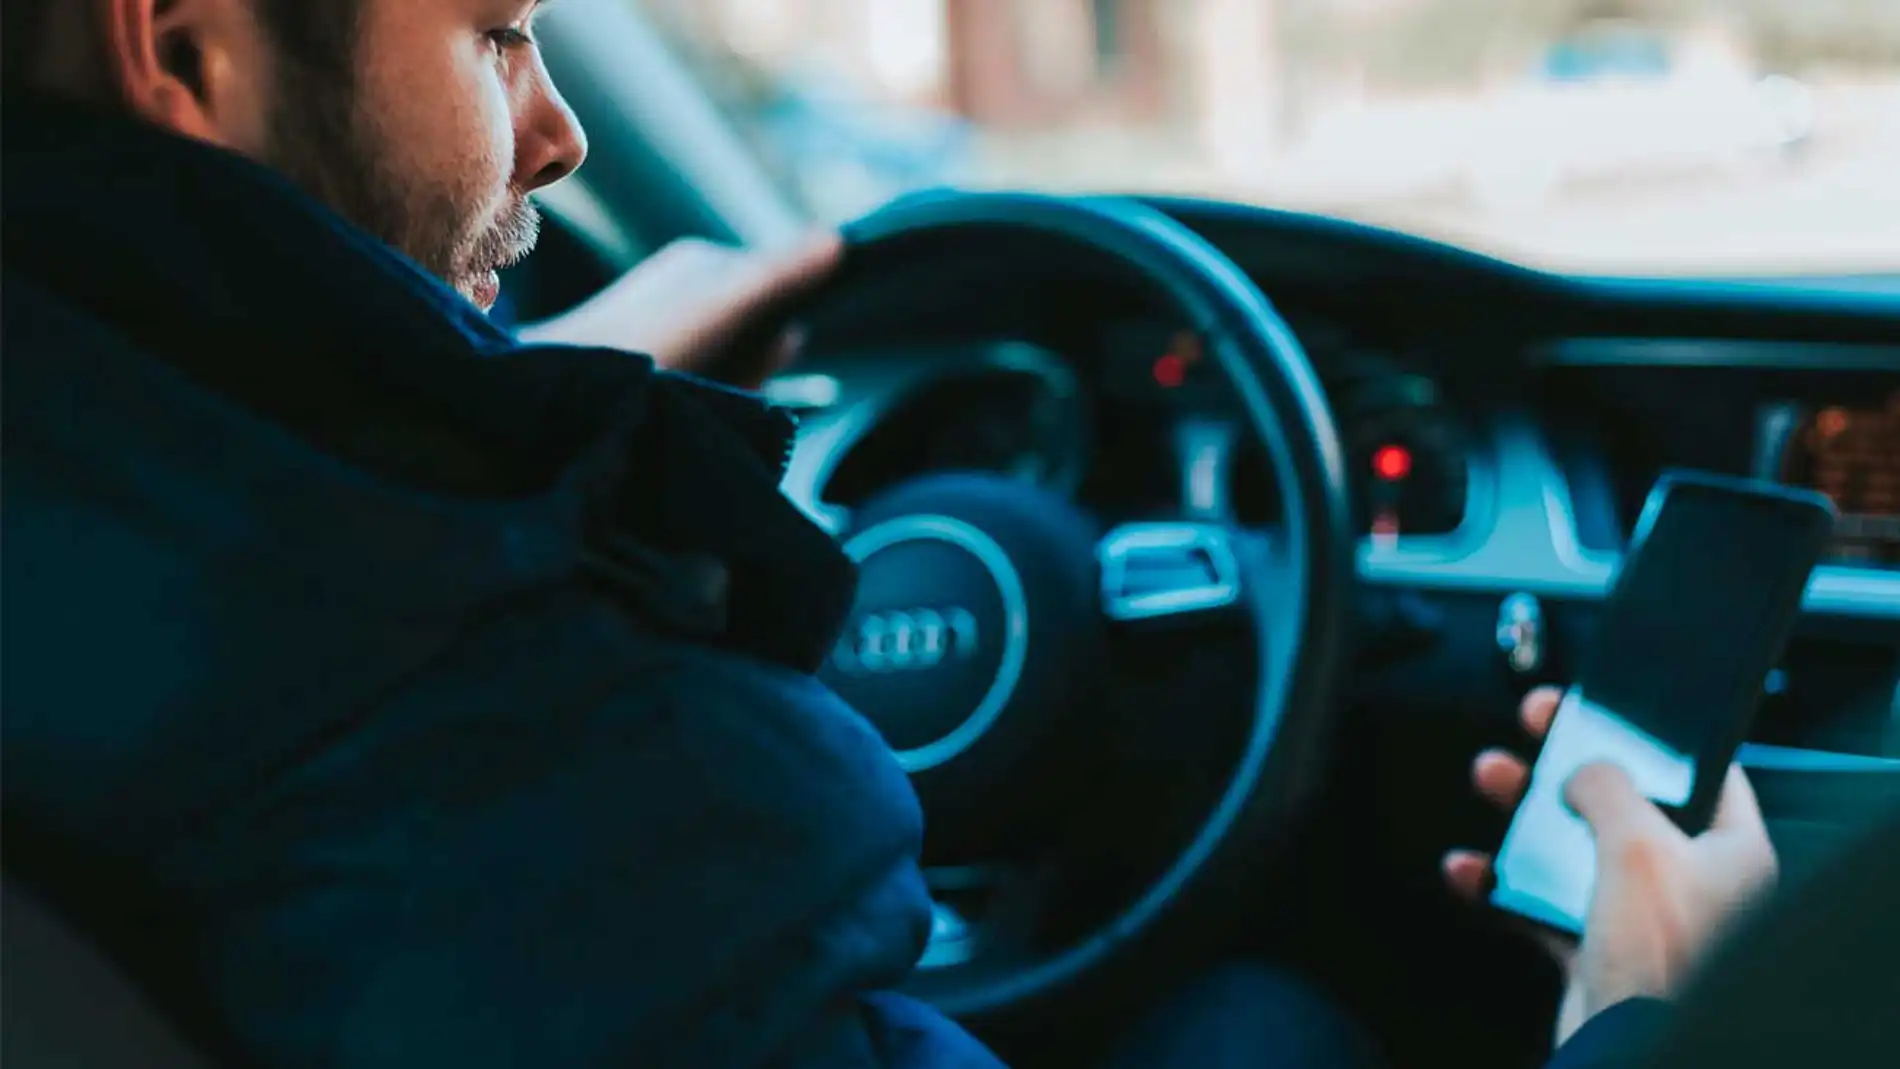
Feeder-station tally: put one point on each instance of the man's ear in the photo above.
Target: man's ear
(199, 68)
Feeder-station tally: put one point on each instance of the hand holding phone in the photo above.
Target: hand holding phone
(1661, 896)
(1694, 623)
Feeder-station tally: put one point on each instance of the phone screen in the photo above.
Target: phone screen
(1696, 620)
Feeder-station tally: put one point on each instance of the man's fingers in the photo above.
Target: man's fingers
(685, 270)
(792, 271)
(814, 259)
(1500, 778)
(1604, 797)
(1538, 710)
(732, 283)
(1468, 874)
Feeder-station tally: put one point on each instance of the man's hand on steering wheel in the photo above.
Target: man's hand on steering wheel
(699, 307)
(1662, 897)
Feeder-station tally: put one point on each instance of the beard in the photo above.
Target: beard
(327, 143)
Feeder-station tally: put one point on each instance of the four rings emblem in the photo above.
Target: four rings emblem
(906, 640)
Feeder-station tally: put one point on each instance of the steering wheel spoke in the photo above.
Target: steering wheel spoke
(1153, 571)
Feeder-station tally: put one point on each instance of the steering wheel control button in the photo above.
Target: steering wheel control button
(1152, 570)
(939, 638)
(1521, 633)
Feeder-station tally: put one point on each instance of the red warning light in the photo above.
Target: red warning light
(1832, 423)
(1392, 463)
(1170, 371)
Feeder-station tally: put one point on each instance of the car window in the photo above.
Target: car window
(1737, 137)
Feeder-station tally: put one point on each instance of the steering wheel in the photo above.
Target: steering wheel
(983, 602)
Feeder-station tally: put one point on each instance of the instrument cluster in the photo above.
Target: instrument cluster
(1407, 449)
(1142, 424)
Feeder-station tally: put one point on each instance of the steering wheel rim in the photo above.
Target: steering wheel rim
(1287, 411)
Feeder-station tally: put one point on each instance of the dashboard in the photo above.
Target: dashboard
(1137, 423)
(1502, 428)
(1140, 424)
(1406, 446)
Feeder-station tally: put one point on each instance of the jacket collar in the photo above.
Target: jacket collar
(223, 269)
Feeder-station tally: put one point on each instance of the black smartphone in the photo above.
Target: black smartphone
(1695, 621)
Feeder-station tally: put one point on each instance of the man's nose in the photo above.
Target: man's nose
(549, 141)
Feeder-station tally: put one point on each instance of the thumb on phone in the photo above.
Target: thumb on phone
(1603, 795)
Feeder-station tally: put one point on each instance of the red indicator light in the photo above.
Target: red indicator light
(1832, 423)
(1392, 463)
(1170, 371)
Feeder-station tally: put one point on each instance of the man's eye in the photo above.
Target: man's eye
(510, 37)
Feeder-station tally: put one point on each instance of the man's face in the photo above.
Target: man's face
(447, 121)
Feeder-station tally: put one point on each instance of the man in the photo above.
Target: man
(386, 693)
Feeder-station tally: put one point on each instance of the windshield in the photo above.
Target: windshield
(1655, 137)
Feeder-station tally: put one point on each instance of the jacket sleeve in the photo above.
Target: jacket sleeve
(1620, 1036)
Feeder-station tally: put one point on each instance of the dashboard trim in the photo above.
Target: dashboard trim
(1762, 757)
(1715, 353)
(1520, 532)
(1533, 545)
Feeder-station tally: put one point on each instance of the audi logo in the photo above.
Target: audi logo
(906, 640)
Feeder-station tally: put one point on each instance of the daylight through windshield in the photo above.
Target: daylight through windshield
(1617, 136)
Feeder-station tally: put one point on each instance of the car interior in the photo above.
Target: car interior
(1321, 502)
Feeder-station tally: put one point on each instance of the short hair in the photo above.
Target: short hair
(319, 35)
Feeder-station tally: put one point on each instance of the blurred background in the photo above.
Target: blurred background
(1729, 137)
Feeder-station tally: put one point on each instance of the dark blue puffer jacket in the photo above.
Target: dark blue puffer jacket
(384, 694)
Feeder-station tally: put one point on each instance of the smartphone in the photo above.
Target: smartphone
(1694, 623)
